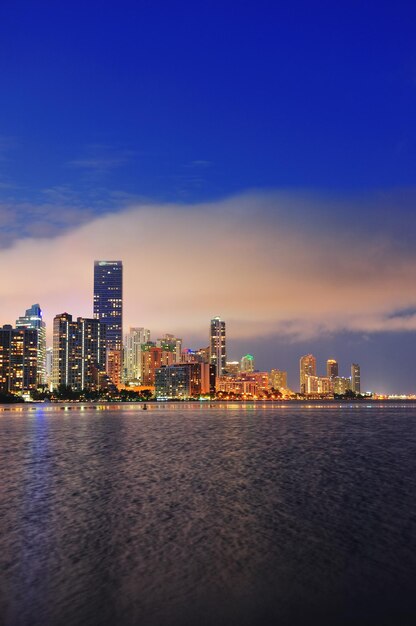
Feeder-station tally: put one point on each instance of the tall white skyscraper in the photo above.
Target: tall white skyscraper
(133, 342)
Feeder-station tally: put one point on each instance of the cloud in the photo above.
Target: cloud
(267, 263)
(100, 159)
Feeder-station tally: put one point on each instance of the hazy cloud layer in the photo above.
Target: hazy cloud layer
(272, 263)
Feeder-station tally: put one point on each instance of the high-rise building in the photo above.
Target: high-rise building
(33, 319)
(232, 368)
(151, 357)
(218, 351)
(170, 343)
(49, 362)
(108, 308)
(307, 367)
(18, 359)
(278, 379)
(180, 381)
(247, 363)
(79, 352)
(355, 378)
(132, 353)
(341, 385)
(331, 368)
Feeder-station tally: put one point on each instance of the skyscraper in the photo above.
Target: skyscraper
(247, 363)
(133, 343)
(331, 368)
(355, 378)
(307, 367)
(18, 359)
(79, 352)
(108, 308)
(218, 351)
(33, 319)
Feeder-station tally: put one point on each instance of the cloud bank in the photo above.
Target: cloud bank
(267, 263)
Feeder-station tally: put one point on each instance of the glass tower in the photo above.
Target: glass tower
(108, 308)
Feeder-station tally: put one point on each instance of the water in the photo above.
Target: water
(187, 514)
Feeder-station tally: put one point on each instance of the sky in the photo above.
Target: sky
(253, 160)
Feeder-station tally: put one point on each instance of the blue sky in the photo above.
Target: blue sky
(105, 106)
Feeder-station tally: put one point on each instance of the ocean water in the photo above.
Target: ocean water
(189, 514)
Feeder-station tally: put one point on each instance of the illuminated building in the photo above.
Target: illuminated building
(218, 351)
(232, 368)
(278, 379)
(341, 385)
(108, 309)
(261, 378)
(18, 359)
(318, 385)
(170, 343)
(179, 381)
(355, 378)
(33, 319)
(151, 358)
(49, 358)
(133, 342)
(242, 385)
(79, 352)
(307, 367)
(331, 368)
(247, 363)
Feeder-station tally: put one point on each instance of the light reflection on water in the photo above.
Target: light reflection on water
(230, 513)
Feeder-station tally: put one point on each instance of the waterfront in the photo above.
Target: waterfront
(225, 514)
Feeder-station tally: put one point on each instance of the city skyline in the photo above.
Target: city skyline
(286, 189)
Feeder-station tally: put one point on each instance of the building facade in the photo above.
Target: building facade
(179, 381)
(133, 343)
(247, 364)
(79, 352)
(355, 378)
(331, 368)
(18, 359)
(307, 367)
(278, 379)
(33, 319)
(218, 347)
(108, 309)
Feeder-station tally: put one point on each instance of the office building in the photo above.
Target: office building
(331, 368)
(33, 319)
(232, 368)
(179, 381)
(247, 364)
(151, 358)
(218, 351)
(278, 379)
(307, 367)
(108, 309)
(18, 359)
(79, 352)
(355, 378)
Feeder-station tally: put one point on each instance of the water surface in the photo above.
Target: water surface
(186, 514)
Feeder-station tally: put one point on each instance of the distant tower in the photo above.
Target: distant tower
(218, 352)
(108, 308)
(33, 319)
(307, 367)
(247, 364)
(331, 368)
(355, 378)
